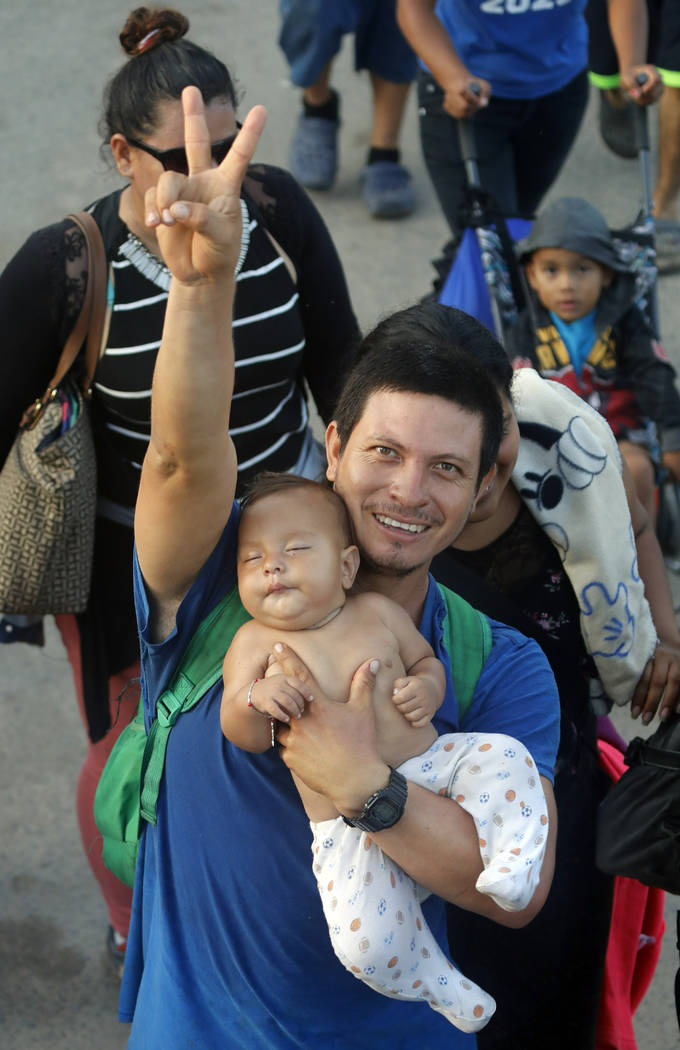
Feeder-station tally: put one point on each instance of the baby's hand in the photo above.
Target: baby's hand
(415, 698)
(278, 696)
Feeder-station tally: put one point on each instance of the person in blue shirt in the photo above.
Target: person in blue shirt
(296, 567)
(216, 957)
(519, 67)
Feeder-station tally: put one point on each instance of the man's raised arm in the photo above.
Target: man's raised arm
(189, 472)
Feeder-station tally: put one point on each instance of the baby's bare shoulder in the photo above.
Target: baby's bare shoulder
(389, 611)
(252, 634)
(376, 604)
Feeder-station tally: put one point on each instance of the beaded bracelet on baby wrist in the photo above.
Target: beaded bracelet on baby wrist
(249, 703)
(250, 695)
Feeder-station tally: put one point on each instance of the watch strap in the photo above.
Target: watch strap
(394, 793)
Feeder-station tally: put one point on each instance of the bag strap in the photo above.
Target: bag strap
(90, 321)
(97, 273)
(640, 753)
(467, 634)
(200, 668)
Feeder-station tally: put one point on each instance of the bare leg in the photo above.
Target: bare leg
(387, 187)
(642, 470)
(314, 149)
(668, 181)
(320, 91)
(389, 103)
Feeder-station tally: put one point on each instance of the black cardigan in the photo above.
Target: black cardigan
(41, 292)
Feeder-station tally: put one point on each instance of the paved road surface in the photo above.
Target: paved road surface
(55, 989)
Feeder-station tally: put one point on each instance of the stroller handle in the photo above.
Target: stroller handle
(641, 139)
(640, 124)
(641, 130)
(468, 143)
(467, 140)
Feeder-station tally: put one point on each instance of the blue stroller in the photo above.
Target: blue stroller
(485, 278)
(487, 281)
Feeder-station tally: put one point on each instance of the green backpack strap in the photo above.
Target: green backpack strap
(201, 667)
(468, 641)
(116, 800)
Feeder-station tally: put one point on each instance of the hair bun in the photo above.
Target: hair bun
(146, 28)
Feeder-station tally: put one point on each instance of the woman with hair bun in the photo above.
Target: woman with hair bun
(293, 322)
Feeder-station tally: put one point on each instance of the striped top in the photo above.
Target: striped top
(286, 330)
(269, 414)
(288, 334)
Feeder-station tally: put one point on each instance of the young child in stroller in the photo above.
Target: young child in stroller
(582, 328)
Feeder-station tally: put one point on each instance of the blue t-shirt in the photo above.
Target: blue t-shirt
(228, 945)
(577, 336)
(524, 48)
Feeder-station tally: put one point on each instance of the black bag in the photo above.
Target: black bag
(638, 832)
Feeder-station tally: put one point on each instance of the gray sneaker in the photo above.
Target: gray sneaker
(388, 190)
(314, 152)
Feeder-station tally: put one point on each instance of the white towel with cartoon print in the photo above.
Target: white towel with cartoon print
(568, 472)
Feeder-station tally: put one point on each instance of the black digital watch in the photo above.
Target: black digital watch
(384, 808)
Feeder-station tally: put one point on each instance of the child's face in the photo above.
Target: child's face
(293, 563)
(566, 282)
(492, 493)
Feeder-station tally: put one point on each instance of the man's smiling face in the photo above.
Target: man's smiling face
(408, 474)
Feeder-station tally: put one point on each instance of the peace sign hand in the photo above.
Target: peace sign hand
(197, 217)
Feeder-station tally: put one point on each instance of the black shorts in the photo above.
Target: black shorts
(663, 50)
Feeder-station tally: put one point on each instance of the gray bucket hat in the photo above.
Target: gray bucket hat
(576, 225)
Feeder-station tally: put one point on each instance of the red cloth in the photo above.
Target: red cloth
(637, 910)
(123, 704)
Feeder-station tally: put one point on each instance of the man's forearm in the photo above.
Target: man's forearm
(435, 840)
(437, 844)
(189, 473)
(194, 375)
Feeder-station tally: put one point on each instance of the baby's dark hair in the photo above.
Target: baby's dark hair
(160, 66)
(271, 483)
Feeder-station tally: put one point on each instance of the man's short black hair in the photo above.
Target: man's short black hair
(436, 350)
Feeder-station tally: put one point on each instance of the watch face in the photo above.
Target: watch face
(383, 811)
(385, 807)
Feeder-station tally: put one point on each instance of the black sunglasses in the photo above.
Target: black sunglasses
(175, 159)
